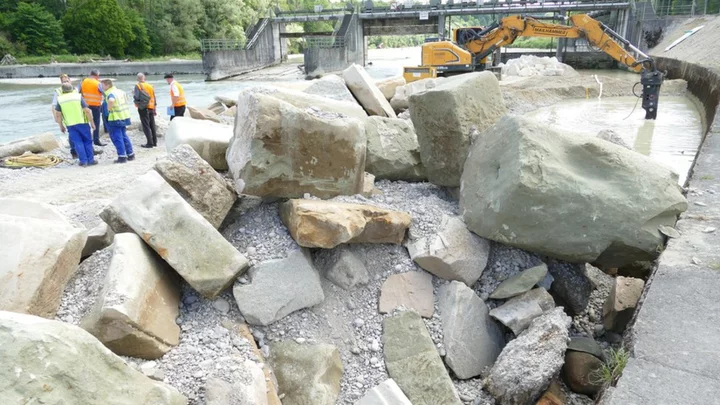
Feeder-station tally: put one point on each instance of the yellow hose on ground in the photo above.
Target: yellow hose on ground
(31, 160)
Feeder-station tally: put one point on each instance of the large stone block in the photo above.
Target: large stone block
(518, 312)
(393, 151)
(135, 313)
(366, 92)
(203, 114)
(304, 101)
(411, 290)
(53, 362)
(342, 266)
(621, 303)
(209, 139)
(448, 116)
(198, 183)
(308, 373)
(332, 86)
(570, 196)
(35, 144)
(388, 86)
(401, 99)
(326, 224)
(40, 251)
(414, 363)
(282, 151)
(181, 236)
(279, 287)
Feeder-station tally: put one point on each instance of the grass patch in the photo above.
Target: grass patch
(715, 266)
(707, 177)
(611, 371)
(42, 60)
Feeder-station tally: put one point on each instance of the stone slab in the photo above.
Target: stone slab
(411, 290)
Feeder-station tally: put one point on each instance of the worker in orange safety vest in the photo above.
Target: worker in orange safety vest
(92, 93)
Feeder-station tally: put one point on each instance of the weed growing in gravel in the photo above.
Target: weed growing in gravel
(707, 177)
(614, 365)
(715, 266)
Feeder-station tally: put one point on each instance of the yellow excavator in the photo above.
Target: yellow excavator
(471, 47)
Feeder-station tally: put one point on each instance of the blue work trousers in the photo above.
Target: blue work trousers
(96, 110)
(119, 138)
(81, 140)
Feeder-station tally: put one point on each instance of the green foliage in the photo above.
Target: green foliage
(173, 25)
(38, 30)
(396, 41)
(6, 47)
(612, 369)
(139, 46)
(97, 26)
(534, 43)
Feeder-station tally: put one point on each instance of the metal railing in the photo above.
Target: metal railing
(255, 32)
(221, 45)
(315, 41)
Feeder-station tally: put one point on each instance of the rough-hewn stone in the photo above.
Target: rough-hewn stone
(305, 101)
(307, 373)
(209, 139)
(620, 304)
(520, 283)
(393, 152)
(331, 86)
(366, 92)
(411, 290)
(248, 390)
(342, 266)
(203, 114)
(401, 99)
(518, 312)
(387, 86)
(385, 393)
(35, 144)
(571, 285)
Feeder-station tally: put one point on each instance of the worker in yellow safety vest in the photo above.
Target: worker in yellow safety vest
(93, 95)
(118, 120)
(57, 92)
(177, 96)
(73, 117)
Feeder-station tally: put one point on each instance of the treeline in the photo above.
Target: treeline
(121, 28)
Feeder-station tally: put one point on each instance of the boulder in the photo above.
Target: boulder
(250, 389)
(209, 139)
(369, 188)
(217, 108)
(134, 314)
(203, 114)
(525, 175)
(40, 252)
(326, 224)
(554, 395)
(86, 214)
(519, 312)
(454, 253)
(58, 363)
(308, 373)
(527, 364)
(621, 303)
(366, 92)
(198, 183)
(393, 152)
(387, 86)
(571, 286)
(586, 345)
(385, 393)
(581, 373)
(472, 339)
(34, 144)
(282, 151)
(228, 102)
(401, 99)
(179, 234)
(447, 117)
(331, 86)
(411, 290)
(520, 283)
(304, 101)
(230, 112)
(414, 363)
(612, 136)
(342, 266)
(279, 287)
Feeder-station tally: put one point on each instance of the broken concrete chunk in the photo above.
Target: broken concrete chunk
(472, 339)
(279, 287)
(522, 165)
(366, 92)
(326, 224)
(209, 139)
(135, 312)
(181, 236)
(385, 393)
(448, 116)
(393, 152)
(453, 254)
(343, 267)
(411, 290)
(621, 303)
(198, 183)
(34, 144)
(282, 151)
(520, 283)
(306, 373)
(414, 363)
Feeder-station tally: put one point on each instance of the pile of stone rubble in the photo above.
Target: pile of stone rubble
(531, 65)
(261, 263)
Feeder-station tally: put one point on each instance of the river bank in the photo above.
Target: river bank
(114, 68)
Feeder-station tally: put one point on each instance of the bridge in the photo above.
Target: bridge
(347, 43)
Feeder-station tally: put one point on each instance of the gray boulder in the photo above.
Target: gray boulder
(282, 151)
(209, 139)
(86, 214)
(520, 283)
(454, 253)
(279, 287)
(547, 191)
(570, 285)
(414, 363)
(304, 101)
(447, 117)
(388, 86)
(181, 236)
(34, 144)
(411, 290)
(385, 393)
(308, 373)
(401, 99)
(198, 183)
(203, 114)
(527, 364)
(331, 86)
(342, 266)
(366, 92)
(249, 389)
(53, 362)
(472, 339)
(519, 312)
(393, 152)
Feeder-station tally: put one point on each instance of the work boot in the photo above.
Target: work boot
(73, 154)
(98, 143)
(131, 157)
(93, 163)
(83, 164)
(146, 146)
(121, 159)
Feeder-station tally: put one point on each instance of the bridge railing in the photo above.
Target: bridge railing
(207, 45)
(316, 41)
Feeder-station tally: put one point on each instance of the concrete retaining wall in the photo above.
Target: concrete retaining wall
(266, 52)
(106, 69)
(319, 61)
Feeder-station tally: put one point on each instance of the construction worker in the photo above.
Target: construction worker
(73, 117)
(144, 98)
(63, 79)
(93, 95)
(177, 96)
(118, 120)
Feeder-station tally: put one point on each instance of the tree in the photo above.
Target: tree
(97, 26)
(140, 45)
(173, 25)
(36, 29)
